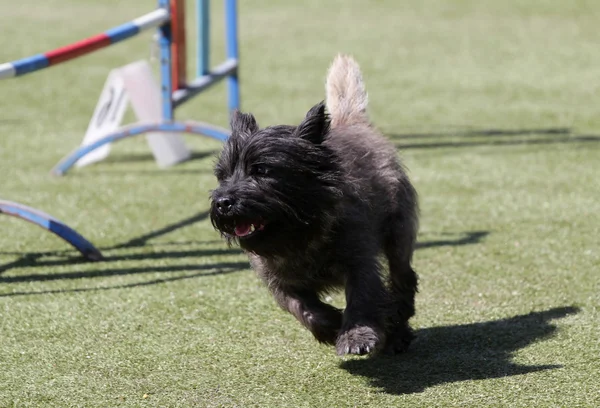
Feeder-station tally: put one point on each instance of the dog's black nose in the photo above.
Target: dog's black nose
(224, 204)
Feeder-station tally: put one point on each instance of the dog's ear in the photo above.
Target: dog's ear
(315, 125)
(243, 123)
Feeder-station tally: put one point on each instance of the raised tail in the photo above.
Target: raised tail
(346, 95)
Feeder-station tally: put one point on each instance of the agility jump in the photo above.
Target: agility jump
(169, 20)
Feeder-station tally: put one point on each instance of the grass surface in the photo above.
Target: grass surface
(495, 108)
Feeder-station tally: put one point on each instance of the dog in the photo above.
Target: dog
(314, 206)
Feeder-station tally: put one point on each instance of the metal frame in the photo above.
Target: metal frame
(169, 20)
(174, 88)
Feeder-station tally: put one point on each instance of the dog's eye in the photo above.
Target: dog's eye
(260, 170)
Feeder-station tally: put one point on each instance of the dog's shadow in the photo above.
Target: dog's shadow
(448, 354)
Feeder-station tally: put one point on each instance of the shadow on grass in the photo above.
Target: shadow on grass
(518, 137)
(67, 258)
(35, 259)
(216, 269)
(143, 239)
(448, 354)
(482, 133)
(40, 277)
(470, 238)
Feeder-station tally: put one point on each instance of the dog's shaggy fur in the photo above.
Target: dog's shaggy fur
(314, 206)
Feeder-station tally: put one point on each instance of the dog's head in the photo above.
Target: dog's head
(278, 186)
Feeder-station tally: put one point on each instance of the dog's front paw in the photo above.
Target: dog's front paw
(358, 340)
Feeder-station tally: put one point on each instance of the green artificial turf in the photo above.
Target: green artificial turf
(495, 108)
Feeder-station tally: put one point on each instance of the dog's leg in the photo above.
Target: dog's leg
(398, 248)
(324, 321)
(362, 330)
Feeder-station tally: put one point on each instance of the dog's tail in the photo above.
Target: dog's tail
(346, 95)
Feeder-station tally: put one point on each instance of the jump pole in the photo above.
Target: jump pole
(63, 54)
(178, 46)
(203, 43)
(232, 53)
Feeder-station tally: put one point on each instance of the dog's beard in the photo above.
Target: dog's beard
(276, 222)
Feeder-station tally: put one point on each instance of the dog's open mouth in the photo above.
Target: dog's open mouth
(246, 229)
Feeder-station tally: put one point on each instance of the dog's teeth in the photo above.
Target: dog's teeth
(252, 228)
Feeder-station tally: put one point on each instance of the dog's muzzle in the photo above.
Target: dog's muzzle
(224, 205)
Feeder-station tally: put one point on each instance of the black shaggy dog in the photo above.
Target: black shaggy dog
(314, 206)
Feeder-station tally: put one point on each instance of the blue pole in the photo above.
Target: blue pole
(232, 53)
(164, 42)
(203, 43)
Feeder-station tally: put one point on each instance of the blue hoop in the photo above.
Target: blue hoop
(51, 224)
(198, 128)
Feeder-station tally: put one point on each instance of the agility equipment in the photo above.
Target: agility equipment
(169, 21)
(53, 225)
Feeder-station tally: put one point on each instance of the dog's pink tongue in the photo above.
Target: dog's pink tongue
(242, 229)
